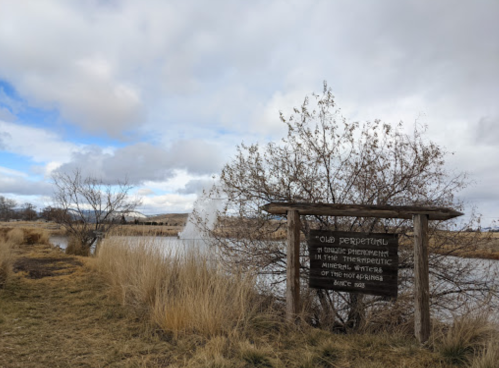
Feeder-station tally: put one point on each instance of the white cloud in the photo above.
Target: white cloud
(12, 182)
(143, 162)
(6, 115)
(167, 203)
(185, 82)
(40, 145)
(267, 120)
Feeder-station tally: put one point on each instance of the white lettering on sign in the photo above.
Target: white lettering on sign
(335, 250)
(344, 261)
(368, 269)
(368, 277)
(365, 260)
(368, 252)
(342, 283)
(336, 266)
(327, 257)
(363, 241)
(327, 239)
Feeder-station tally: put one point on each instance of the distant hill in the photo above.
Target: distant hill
(492, 229)
(90, 215)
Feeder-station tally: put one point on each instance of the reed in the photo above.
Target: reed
(470, 336)
(181, 291)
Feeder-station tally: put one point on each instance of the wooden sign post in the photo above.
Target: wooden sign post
(421, 279)
(420, 216)
(293, 269)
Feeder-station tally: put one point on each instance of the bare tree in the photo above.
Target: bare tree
(88, 207)
(7, 206)
(326, 159)
(28, 212)
(50, 213)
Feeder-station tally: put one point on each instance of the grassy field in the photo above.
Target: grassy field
(486, 245)
(53, 229)
(129, 309)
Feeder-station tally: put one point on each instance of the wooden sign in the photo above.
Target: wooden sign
(354, 262)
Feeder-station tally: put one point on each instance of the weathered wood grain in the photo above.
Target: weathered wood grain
(421, 279)
(328, 209)
(293, 266)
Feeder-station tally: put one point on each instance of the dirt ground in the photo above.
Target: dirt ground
(55, 312)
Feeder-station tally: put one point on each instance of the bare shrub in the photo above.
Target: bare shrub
(6, 207)
(87, 207)
(325, 158)
(76, 247)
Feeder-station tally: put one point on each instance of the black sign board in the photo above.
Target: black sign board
(354, 262)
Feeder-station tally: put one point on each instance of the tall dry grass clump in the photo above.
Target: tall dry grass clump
(19, 236)
(182, 290)
(15, 236)
(489, 357)
(76, 248)
(470, 338)
(6, 261)
(36, 236)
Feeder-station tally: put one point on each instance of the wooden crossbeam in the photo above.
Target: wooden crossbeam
(354, 210)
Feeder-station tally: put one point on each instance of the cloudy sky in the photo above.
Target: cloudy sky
(162, 91)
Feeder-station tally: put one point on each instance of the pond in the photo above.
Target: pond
(482, 268)
(165, 242)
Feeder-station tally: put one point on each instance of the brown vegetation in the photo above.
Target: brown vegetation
(146, 230)
(67, 316)
(179, 291)
(6, 261)
(168, 219)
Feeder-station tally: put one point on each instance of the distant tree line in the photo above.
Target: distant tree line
(10, 210)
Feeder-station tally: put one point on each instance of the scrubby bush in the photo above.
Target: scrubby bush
(75, 247)
(36, 236)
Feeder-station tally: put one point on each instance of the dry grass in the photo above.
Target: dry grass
(16, 236)
(65, 318)
(6, 261)
(488, 358)
(145, 230)
(20, 236)
(468, 245)
(468, 339)
(181, 292)
(51, 227)
(76, 248)
(62, 315)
